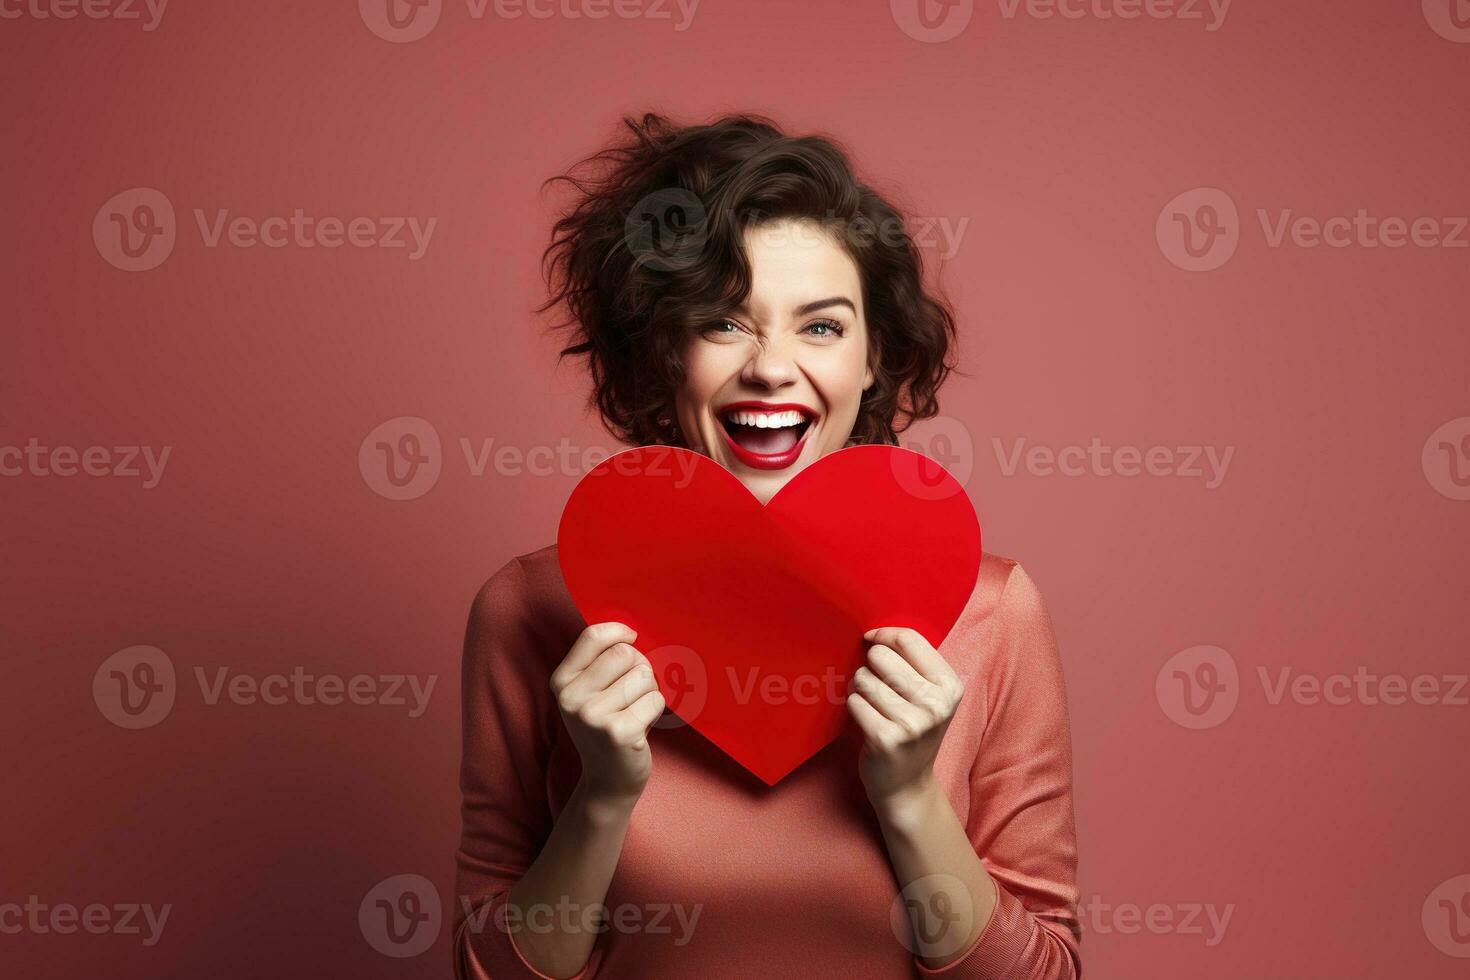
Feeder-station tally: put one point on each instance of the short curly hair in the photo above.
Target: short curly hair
(651, 250)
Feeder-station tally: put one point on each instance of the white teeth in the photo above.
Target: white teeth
(766, 420)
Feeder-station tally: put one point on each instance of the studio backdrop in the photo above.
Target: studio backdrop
(275, 403)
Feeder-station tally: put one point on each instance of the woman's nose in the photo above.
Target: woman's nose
(771, 365)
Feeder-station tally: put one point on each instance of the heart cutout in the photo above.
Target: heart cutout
(753, 617)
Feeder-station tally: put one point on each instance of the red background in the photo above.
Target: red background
(1326, 548)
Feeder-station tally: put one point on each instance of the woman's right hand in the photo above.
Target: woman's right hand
(608, 699)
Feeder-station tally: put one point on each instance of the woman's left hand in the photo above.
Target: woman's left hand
(903, 699)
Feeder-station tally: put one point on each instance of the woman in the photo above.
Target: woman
(737, 292)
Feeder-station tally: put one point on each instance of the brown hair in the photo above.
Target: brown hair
(651, 250)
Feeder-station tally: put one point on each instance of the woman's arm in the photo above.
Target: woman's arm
(1011, 916)
(532, 888)
(549, 910)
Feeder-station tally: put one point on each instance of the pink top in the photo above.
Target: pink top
(723, 876)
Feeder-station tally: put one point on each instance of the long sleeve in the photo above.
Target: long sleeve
(508, 717)
(719, 875)
(1021, 815)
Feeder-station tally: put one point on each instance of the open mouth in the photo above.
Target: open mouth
(766, 436)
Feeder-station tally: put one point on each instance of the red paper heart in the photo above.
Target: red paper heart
(753, 617)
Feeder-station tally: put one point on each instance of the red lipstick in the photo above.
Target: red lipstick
(767, 461)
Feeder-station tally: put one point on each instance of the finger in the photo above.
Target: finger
(592, 641)
(646, 710)
(899, 674)
(610, 664)
(869, 718)
(888, 701)
(636, 681)
(912, 646)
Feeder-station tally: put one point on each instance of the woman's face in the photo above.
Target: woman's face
(775, 385)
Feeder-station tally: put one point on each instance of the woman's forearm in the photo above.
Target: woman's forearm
(933, 858)
(555, 911)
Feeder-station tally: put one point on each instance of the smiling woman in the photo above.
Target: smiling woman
(737, 292)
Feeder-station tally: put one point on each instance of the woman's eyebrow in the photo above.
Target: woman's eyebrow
(806, 308)
(823, 303)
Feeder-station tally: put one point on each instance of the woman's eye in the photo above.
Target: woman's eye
(825, 328)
